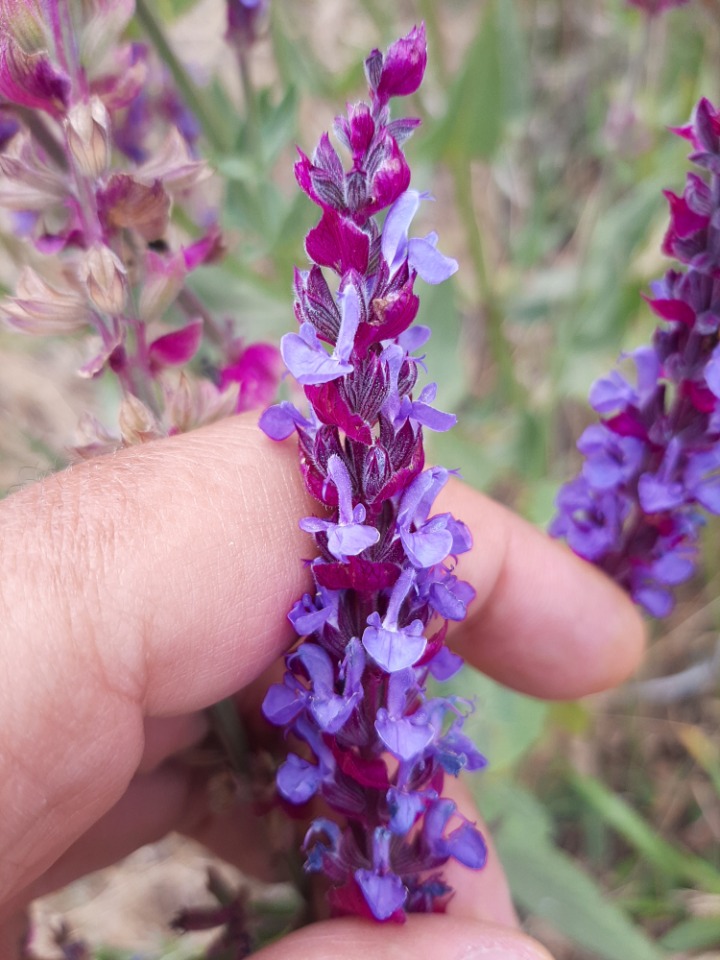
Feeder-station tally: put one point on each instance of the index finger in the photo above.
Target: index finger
(544, 621)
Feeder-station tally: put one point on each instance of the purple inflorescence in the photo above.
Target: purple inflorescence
(654, 7)
(376, 748)
(654, 460)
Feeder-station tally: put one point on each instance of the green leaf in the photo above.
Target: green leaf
(697, 933)
(472, 123)
(549, 884)
(439, 311)
(263, 311)
(278, 123)
(295, 60)
(255, 206)
(513, 59)
(505, 724)
(672, 861)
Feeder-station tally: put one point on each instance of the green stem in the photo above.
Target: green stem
(378, 15)
(252, 127)
(227, 725)
(211, 124)
(42, 134)
(508, 386)
(621, 817)
(428, 12)
(193, 307)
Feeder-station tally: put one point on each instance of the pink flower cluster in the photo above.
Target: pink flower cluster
(97, 153)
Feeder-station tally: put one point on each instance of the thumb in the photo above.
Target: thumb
(440, 937)
(114, 605)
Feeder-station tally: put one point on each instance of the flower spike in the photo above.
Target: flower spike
(651, 465)
(373, 631)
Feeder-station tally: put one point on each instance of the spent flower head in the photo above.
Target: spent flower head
(93, 164)
(368, 739)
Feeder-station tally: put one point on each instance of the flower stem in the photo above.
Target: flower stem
(42, 134)
(229, 729)
(193, 307)
(428, 10)
(252, 126)
(205, 114)
(508, 386)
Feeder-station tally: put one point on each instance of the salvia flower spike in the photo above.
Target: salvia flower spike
(652, 465)
(375, 748)
(655, 7)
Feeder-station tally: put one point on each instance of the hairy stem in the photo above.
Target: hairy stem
(209, 121)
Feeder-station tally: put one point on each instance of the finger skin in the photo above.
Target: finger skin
(167, 736)
(155, 581)
(155, 803)
(439, 937)
(544, 621)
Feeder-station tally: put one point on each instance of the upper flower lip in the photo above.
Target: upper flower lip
(421, 253)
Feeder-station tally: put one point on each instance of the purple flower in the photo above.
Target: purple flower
(405, 735)
(421, 254)
(465, 843)
(385, 587)
(654, 7)
(244, 20)
(384, 890)
(349, 536)
(100, 222)
(304, 354)
(393, 647)
(653, 461)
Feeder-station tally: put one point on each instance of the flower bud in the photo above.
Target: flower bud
(245, 20)
(104, 277)
(137, 423)
(195, 402)
(88, 136)
(164, 278)
(42, 309)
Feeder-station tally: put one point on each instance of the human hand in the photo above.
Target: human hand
(139, 588)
